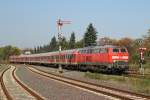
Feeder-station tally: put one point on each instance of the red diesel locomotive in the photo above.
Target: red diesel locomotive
(106, 58)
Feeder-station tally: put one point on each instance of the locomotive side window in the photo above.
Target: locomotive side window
(85, 51)
(96, 51)
(103, 50)
(71, 56)
(81, 51)
(89, 51)
(123, 50)
(115, 50)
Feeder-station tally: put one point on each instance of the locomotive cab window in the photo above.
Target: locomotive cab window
(96, 50)
(103, 50)
(123, 50)
(115, 50)
(89, 51)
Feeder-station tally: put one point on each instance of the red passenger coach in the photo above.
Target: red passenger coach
(106, 58)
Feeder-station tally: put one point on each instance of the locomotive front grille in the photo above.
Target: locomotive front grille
(120, 64)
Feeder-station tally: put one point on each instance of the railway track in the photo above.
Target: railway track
(136, 74)
(3, 69)
(14, 89)
(120, 94)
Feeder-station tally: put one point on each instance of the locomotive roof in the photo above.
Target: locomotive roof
(67, 51)
(105, 46)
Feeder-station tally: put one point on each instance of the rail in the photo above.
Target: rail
(7, 93)
(80, 83)
(38, 97)
(3, 85)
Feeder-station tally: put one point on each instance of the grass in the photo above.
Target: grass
(138, 85)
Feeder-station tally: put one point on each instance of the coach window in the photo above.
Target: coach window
(68, 56)
(65, 56)
(54, 57)
(115, 50)
(88, 51)
(80, 51)
(85, 51)
(51, 57)
(123, 50)
(72, 56)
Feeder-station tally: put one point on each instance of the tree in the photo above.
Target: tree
(90, 36)
(126, 42)
(64, 44)
(72, 41)
(147, 43)
(79, 44)
(106, 41)
(147, 40)
(53, 44)
(35, 50)
(38, 49)
(8, 51)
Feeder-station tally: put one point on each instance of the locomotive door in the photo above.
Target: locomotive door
(88, 56)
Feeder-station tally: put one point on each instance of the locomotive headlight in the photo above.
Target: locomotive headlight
(114, 60)
(124, 57)
(119, 57)
(120, 61)
(115, 57)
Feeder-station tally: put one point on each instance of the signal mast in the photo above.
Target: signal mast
(60, 23)
(141, 51)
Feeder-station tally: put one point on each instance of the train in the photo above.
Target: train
(107, 58)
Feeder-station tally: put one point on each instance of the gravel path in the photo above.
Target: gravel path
(54, 90)
(15, 90)
(2, 95)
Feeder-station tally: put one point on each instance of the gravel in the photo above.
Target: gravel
(15, 90)
(81, 76)
(54, 90)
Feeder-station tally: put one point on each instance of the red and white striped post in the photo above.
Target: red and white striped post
(142, 50)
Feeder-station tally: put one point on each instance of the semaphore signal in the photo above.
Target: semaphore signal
(60, 23)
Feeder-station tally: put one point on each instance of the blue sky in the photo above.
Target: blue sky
(29, 23)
